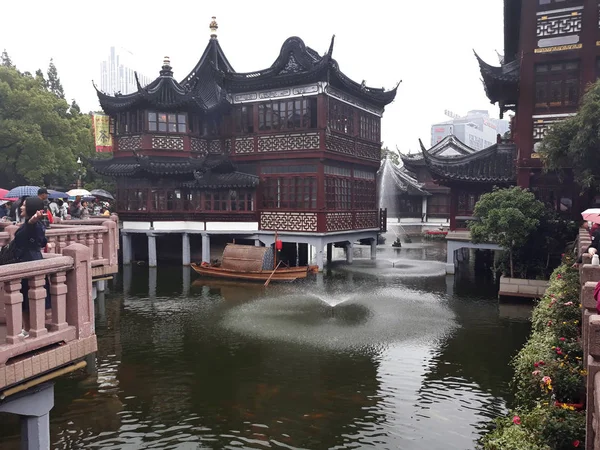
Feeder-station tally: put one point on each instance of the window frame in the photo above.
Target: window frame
(548, 81)
(178, 123)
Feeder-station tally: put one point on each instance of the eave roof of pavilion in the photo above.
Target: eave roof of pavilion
(495, 164)
(137, 164)
(450, 144)
(210, 179)
(407, 183)
(300, 64)
(501, 83)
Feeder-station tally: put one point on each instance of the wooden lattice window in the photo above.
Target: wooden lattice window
(341, 117)
(370, 127)
(557, 84)
(438, 204)
(167, 122)
(287, 114)
(364, 195)
(338, 193)
(243, 119)
(289, 192)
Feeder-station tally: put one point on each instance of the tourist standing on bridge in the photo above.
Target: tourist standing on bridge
(29, 241)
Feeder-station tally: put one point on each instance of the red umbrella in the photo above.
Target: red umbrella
(3, 192)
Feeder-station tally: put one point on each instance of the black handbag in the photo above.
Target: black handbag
(9, 254)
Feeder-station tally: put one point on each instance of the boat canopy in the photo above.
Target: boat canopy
(247, 258)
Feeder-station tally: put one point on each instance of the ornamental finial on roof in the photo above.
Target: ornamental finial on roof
(167, 70)
(213, 28)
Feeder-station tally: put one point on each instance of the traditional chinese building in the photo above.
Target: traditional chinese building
(292, 148)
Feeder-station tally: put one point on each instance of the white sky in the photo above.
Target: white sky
(427, 44)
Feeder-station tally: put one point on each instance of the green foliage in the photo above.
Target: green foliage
(5, 60)
(573, 142)
(548, 368)
(392, 155)
(40, 136)
(507, 217)
(54, 84)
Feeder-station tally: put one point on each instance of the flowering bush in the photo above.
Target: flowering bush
(549, 374)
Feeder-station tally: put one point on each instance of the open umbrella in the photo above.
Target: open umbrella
(3, 196)
(76, 192)
(57, 194)
(102, 193)
(23, 191)
(591, 215)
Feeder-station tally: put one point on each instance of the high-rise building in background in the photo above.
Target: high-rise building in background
(118, 75)
(477, 129)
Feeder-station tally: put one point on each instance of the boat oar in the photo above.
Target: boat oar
(272, 273)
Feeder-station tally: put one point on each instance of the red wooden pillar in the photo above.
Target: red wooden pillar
(453, 206)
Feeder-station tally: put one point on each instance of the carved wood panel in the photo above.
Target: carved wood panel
(339, 144)
(244, 145)
(368, 151)
(288, 221)
(366, 219)
(214, 146)
(199, 146)
(289, 142)
(130, 143)
(167, 142)
(338, 221)
(558, 24)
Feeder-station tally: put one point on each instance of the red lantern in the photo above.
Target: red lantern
(278, 245)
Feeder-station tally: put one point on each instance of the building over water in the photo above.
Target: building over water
(292, 148)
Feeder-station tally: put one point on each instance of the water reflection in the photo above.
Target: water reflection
(399, 362)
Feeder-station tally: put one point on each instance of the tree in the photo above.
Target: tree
(573, 143)
(40, 137)
(5, 59)
(54, 84)
(507, 217)
(387, 153)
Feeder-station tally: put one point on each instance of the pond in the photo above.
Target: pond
(385, 354)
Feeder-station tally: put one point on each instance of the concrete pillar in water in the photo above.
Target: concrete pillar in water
(329, 253)
(303, 254)
(127, 278)
(257, 243)
(101, 307)
(451, 247)
(319, 255)
(424, 210)
(186, 281)
(152, 282)
(186, 252)
(374, 249)
(206, 248)
(127, 249)
(33, 407)
(101, 285)
(349, 252)
(151, 250)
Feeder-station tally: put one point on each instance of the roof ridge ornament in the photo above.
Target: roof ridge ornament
(213, 27)
(167, 70)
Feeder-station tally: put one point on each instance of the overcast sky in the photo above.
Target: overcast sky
(427, 44)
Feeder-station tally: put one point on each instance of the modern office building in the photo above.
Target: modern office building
(117, 74)
(477, 129)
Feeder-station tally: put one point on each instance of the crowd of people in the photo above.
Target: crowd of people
(79, 208)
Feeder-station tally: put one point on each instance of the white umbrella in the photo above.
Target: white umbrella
(76, 192)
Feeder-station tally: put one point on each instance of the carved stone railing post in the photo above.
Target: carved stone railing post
(589, 273)
(37, 309)
(588, 308)
(99, 241)
(110, 240)
(58, 291)
(80, 306)
(14, 315)
(91, 244)
(593, 369)
(62, 243)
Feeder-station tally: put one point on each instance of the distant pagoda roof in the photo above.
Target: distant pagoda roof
(495, 164)
(404, 181)
(501, 83)
(450, 147)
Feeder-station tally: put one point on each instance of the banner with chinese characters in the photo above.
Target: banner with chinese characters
(102, 136)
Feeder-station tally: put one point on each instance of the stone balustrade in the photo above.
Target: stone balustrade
(54, 337)
(100, 235)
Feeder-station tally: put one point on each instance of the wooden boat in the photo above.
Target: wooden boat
(247, 262)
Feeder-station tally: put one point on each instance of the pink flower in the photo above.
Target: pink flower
(576, 443)
(535, 364)
(561, 339)
(546, 380)
(549, 323)
(535, 373)
(568, 304)
(517, 420)
(541, 363)
(558, 276)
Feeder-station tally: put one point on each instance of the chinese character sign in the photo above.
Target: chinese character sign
(102, 136)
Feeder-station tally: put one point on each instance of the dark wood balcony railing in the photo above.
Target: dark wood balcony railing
(319, 222)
